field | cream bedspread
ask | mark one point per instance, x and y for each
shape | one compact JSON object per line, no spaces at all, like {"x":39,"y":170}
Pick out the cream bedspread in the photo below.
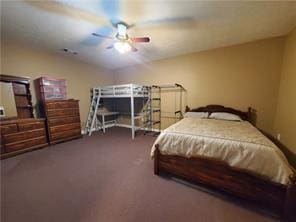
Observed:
{"x":239,"y":144}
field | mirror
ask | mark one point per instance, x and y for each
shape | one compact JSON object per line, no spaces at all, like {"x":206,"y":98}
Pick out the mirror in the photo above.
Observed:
{"x":7,"y":100}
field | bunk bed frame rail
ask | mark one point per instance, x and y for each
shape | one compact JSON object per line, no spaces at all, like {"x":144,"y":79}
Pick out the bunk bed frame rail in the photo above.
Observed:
{"x":124,"y":90}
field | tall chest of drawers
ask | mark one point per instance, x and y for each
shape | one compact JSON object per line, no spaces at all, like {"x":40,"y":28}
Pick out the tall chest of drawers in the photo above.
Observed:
{"x":19,"y":135}
{"x":62,"y":120}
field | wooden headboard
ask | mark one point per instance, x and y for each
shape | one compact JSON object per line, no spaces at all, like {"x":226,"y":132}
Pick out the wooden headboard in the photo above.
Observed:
{"x":220,"y":109}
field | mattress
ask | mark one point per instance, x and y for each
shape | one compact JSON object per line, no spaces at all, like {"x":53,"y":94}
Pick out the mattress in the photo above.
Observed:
{"x":239,"y":144}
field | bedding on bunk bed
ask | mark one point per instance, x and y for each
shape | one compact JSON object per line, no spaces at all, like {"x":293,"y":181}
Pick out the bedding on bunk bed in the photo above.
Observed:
{"x":237,"y":143}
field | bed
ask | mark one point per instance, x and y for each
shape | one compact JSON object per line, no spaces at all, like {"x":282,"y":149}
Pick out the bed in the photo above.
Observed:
{"x":231,"y":156}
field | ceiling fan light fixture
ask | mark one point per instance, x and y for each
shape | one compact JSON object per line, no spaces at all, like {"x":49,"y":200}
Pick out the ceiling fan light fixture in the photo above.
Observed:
{"x":122,"y":47}
{"x":121,"y":30}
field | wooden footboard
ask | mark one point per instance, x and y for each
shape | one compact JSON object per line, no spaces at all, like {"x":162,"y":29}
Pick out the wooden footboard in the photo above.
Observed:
{"x":279,"y":198}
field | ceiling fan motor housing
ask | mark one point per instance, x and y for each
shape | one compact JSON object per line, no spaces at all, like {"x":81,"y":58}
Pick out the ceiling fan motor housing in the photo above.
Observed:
{"x":121,"y":31}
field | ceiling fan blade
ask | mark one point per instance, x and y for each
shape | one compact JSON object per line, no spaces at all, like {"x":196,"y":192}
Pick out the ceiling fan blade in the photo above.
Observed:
{"x":101,"y":36}
{"x":109,"y":47}
{"x":178,"y":21}
{"x":141,"y":39}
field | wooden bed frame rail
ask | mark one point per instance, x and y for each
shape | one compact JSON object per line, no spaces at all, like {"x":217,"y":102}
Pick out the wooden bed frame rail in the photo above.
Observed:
{"x":216,"y":174}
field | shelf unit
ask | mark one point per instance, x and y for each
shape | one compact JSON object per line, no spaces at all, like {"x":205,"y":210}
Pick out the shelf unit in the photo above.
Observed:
{"x":48,"y":88}
{"x":22,"y":94}
{"x":155,"y":102}
{"x":178,"y":91}
{"x":154,"y":110}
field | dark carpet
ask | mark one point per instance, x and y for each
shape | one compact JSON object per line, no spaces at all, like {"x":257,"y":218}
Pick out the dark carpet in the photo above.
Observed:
{"x":106,"y":178}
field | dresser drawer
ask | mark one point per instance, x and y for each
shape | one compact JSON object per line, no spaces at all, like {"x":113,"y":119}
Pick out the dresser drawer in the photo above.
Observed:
{"x":53,"y":89}
{"x":53,"y":113}
{"x":66,"y":134}
{"x":62,"y":104}
{"x":52,"y":96}
{"x":9,"y":128}
{"x":48,"y":81}
{"x":63,"y":121}
{"x":66,"y":127}
{"x":2,"y":150}
{"x":20,"y":136}
{"x":31,"y":125}
{"x":11,"y":147}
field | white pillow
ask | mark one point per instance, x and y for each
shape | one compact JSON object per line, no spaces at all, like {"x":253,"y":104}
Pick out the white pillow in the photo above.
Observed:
{"x":225,"y":116}
{"x":200,"y":115}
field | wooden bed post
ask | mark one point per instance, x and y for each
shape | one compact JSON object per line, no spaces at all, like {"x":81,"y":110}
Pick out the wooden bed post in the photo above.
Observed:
{"x":289,"y":213}
{"x":249,"y":113}
{"x":156,"y":156}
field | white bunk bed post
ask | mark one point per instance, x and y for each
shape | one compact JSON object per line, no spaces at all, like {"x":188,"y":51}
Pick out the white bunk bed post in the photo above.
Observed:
{"x":103,"y":123}
{"x":132,"y":112}
{"x":97,"y":98}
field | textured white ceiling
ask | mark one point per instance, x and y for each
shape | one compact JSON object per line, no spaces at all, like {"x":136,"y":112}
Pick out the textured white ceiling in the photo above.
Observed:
{"x":175,"y":27}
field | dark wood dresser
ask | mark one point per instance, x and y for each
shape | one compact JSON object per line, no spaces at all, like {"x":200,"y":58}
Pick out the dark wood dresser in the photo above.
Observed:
{"x":20,"y":135}
{"x":63,"y":120}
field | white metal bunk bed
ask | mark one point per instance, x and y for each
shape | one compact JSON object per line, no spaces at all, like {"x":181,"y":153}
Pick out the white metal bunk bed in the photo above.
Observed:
{"x":150,"y":113}
{"x":130,"y":91}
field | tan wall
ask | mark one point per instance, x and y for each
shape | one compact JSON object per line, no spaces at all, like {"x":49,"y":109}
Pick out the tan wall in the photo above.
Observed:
{"x":239,"y":76}
{"x":16,"y":59}
{"x":285,"y":119}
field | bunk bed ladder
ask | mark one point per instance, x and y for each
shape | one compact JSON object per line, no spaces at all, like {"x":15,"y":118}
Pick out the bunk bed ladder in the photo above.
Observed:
{"x":154,"y":109}
{"x":92,"y":115}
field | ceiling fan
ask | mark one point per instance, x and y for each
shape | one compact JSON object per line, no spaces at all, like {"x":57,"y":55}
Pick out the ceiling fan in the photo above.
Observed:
{"x":122,"y":42}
